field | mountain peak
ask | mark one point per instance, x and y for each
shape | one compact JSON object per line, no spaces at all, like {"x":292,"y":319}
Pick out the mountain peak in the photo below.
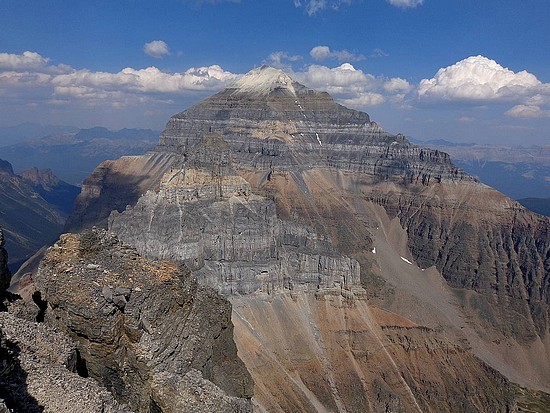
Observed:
{"x":263,"y":81}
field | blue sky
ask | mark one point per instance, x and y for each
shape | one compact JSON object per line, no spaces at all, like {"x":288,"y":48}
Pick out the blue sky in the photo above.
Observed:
{"x":457,"y":69}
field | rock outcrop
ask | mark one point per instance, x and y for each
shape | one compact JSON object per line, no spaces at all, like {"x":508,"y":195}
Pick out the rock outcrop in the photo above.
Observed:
{"x":206,"y":216}
{"x":38,"y":372}
{"x":146,"y":330}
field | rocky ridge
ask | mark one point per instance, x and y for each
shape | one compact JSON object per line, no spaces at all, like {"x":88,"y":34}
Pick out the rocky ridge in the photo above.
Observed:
{"x":38,"y":372}
{"x":145,"y":330}
{"x":35,"y":205}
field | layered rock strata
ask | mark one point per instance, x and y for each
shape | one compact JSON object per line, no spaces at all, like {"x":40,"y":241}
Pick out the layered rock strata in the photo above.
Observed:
{"x":206,"y":216}
{"x":145,"y":330}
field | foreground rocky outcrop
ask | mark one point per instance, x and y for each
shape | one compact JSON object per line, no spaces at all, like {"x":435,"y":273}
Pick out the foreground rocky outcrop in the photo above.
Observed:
{"x":38,"y":372}
{"x":145,"y":330}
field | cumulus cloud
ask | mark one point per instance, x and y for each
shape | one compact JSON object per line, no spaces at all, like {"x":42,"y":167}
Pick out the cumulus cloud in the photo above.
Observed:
{"x":321,"y":53}
{"x":397,"y":84}
{"x":85,"y":83}
{"x":31,"y":79}
{"x":156,"y":48}
{"x":405,"y":4}
{"x":27,"y":60}
{"x":312,"y":7}
{"x":365,"y":99}
{"x":528,"y":111}
{"x":353,"y":87}
{"x":478,"y":78}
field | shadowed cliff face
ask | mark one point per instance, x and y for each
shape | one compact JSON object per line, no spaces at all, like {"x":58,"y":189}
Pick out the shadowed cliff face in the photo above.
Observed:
{"x":4,"y":271}
{"x":275,"y":192}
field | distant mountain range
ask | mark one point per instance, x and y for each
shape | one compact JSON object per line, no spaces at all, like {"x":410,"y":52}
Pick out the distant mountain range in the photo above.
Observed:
{"x":34,"y":205}
{"x":10,"y":135}
{"x":538,"y":205}
{"x":71,"y":153}
{"x":519,"y":172}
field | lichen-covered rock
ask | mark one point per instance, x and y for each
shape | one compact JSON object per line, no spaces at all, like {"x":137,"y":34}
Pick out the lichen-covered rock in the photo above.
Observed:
{"x":133,"y":319}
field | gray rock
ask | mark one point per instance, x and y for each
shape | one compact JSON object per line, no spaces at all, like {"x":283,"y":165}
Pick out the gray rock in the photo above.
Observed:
{"x":160,"y":321}
{"x":38,"y":372}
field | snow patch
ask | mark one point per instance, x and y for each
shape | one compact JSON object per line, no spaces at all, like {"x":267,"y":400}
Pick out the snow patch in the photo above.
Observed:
{"x":406,"y":260}
{"x":374,"y":250}
{"x":262,"y":81}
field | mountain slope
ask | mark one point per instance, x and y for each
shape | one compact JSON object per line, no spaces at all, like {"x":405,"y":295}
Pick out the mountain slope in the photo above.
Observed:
{"x":279,"y":197}
{"x":33,"y":209}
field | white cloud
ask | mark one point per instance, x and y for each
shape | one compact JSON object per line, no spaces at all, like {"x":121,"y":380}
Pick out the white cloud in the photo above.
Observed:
{"x":406,"y":3}
{"x":147,"y":81}
{"x":32,"y":80}
{"x":377,"y":53}
{"x":365,"y":100}
{"x":353,"y":87}
{"x":396,"y":84}
{"x":313,"y":7}
{"x":280,"y":58}
{"x":320,"y":53}
{"x":27,"y":60}
{"x":156,"y":48}
{"x":480,"y":79}
{"x":528,"y":111}
{"x":344,"y":79}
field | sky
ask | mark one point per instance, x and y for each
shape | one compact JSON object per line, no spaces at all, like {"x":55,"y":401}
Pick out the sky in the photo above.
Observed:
{"x":461,"y":70}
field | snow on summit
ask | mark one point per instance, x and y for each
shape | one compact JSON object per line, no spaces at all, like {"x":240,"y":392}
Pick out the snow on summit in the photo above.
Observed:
{"x":263,"y":80}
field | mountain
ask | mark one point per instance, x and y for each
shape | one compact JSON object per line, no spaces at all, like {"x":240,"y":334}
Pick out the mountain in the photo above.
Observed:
{"x":365,"y":273}
{"x":538,"y":205}
{"x":74,"y":155}
{"x":519,"y":172}
{"x":34,"y":206}
{"x":11,"y":135}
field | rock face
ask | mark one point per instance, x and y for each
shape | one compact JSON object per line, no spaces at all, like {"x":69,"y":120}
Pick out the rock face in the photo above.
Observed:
{"x":38,"y":372}
{"x":274,"y":194}
{"x":4,"y":271}
{"x":146,"y":330}
{"x":206,"y":216}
